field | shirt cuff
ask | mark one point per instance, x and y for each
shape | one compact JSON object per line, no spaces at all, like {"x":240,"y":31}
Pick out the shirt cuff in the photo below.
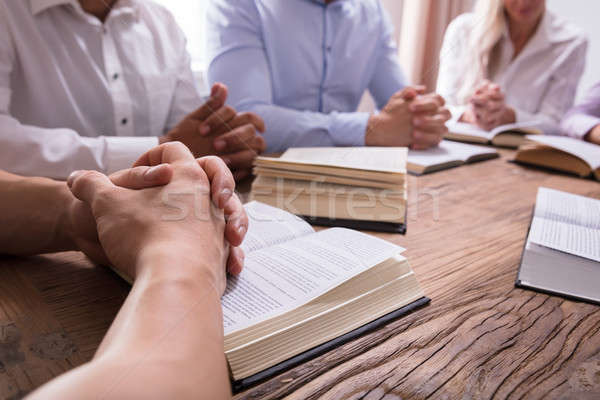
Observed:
{"x":349,"y":129}
{"x":122,"y":152}
{"x":579,"y":125}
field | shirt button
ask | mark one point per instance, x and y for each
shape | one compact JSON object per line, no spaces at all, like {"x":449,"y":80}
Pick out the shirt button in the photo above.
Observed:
{"x":124,"y":121}
{"x":115,"y":76}
{"x":329,"y":49}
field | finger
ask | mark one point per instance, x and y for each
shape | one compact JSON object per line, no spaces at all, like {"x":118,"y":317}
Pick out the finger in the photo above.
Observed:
{"x":240,"y":160}
{"x":219,"y":120}
{"x":495,"y":107}
{"x":217,"y":99}
{"x":221,"y":180}
{"x":430,"y":122}
{"x":420,"y":89}
{"x":235,"y":262}
{"x":425,"y":140}
{"x":170,"y":152}
{"x":143,"y":177}
{"x":239,"y":139}
{"x":496,"y":96}
{"x":424,"y":105}
{"x":241,"y":119}
{"x":237,"y":221}
{"x":87,"y":186}
{"x":241,"y":174}
{"x":408,"y":93}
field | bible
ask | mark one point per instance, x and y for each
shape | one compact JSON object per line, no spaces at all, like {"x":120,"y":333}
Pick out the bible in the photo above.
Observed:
{"x":562,"y":252}
{"x":304,"y":292}
{"x":447,"y":155}
{"x":562,"y":154}
{"x":510,"y":135}
{"x":353,"y":187}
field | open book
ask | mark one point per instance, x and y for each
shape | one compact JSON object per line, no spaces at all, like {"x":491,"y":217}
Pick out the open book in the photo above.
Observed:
{"x":301,"y":290}
{"x":561,"y":153}
{"x":353,"y":187}
{"x":562,"y":253}
{"x":510,"y":135}
{"x":447,"y":155}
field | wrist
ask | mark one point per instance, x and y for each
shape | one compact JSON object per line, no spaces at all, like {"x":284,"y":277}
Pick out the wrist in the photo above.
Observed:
{"x":371,"y":134}
{"x":509,"y":116}
{"x":167,"y":263}
{"x":64,"y":234}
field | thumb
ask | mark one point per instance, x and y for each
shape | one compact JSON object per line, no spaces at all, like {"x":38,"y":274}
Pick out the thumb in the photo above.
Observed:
{"x":408,"y":93}
{"x":87,"y":185}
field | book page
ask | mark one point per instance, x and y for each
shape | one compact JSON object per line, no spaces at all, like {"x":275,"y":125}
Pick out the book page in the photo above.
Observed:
{"x":472,"y":130}
{"x":567,"y":222}
{"x":268,"y":226}
{"x":282,"y":277}
{"x":381,"y":159}
{"x":468,"y":129}
{"x":526,"y":127}
{"x":588,"y":152}
{"x":447,"y":151}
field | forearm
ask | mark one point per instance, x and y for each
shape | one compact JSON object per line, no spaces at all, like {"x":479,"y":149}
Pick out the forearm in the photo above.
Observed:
{"x":167,"y":340}
{"x":309,"y":129}
{"x":34,"y":215}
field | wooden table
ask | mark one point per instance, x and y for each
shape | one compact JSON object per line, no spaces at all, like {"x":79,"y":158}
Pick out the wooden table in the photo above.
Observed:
{"x":480,"y":337}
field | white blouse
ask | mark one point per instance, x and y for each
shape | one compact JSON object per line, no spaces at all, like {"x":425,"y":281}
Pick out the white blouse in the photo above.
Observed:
{"x":539,"y":84}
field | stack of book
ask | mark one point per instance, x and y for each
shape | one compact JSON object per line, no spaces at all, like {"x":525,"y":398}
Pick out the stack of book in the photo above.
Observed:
{"x":358,"y":187}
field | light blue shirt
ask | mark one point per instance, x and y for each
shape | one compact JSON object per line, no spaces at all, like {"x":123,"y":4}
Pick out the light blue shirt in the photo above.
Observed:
{"x":303,"y":66}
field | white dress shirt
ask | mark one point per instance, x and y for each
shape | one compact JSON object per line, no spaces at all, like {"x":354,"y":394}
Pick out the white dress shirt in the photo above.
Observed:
{"x":76,"y":93}
{"x":539,"y":84}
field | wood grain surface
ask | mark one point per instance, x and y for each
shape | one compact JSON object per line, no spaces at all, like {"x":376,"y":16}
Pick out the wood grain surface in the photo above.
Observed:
{"x":480,"y":338}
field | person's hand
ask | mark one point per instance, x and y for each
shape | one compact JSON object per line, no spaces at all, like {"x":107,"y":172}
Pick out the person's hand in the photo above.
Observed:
{"x":593,"y":136}
{"x":216,"y":128}
{"x":238,"y":143}
{"x":429,"y":120}
{"x":392,"y":126}
{"x":487,"y":108}
{"x":411,"y":118}
{"x":86,"y":234}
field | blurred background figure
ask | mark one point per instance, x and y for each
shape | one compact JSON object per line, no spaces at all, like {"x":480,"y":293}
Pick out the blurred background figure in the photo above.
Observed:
{"x":303,"y":66}
{"x":583,"y":120}
{"x":511,"y":61}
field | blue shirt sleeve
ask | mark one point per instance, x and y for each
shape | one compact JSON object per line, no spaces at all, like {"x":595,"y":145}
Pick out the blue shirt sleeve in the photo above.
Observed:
{"x":238,"y":59}
{"x":388,"y":77}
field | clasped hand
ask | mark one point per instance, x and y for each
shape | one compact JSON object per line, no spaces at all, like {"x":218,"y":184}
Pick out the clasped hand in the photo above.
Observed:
{"x":411,"y":118}
{"x":169,"y":204}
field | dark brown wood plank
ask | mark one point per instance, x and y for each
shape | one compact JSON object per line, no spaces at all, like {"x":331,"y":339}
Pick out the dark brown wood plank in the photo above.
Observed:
{"x":480,"y":337}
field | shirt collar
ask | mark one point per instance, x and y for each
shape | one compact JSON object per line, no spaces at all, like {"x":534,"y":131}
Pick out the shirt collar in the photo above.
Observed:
{"x":120,"y":7}
{"x":37,"y":6}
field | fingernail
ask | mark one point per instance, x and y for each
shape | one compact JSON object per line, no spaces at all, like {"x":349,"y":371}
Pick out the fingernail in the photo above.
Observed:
{"x":224,"y":197}
{"x":72,"y":177}
{"x":241,"y":230}
{"x":220,"y":145}
{"x":152,"y":174}
{"x":204,"y":129}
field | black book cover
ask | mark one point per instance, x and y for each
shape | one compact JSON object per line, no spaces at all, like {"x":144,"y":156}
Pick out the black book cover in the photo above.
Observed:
{"x":245,"y":383}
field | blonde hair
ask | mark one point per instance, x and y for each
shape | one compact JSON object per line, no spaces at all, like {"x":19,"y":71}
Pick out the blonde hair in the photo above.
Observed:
{"x":490,"y":24}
